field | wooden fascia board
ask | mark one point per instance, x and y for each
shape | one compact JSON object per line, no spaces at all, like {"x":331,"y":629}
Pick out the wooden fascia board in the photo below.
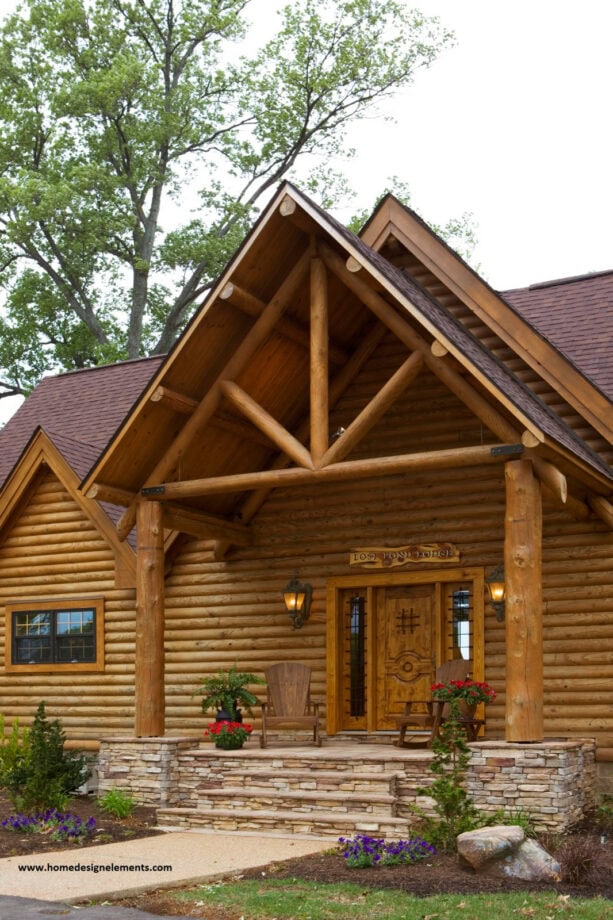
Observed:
{"x":508,"y":324}
{"x":19,"y":480}
{"x":192,"y":330}
{"x":42,"y":451}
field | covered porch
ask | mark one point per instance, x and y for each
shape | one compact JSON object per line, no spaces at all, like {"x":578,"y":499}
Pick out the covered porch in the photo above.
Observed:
{"x":325,"y":400}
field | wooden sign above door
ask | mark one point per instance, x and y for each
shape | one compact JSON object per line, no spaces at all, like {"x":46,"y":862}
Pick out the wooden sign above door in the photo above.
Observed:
{"x":385,"y":557}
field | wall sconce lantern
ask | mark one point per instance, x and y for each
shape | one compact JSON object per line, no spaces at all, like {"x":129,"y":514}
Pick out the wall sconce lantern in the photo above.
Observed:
{"x":297,"y":596}
{"x":495,"y":586}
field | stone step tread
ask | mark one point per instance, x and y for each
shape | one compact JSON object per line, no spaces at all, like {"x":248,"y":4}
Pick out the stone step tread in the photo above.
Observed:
{"x":341,"y":775}
{"x":308,"y":795}
{"x":392,"y":756}
{"x":281,"y":817}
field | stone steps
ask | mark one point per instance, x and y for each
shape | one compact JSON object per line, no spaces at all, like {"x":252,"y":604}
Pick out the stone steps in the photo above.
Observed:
{"x":282,"y":780}
{"x":319,"y":824}
{"x":294,"y":790}
{"x":245,"y":798}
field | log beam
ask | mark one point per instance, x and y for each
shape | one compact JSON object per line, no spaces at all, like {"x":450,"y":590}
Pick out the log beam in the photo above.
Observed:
{"x":604,"y":509}
{"x":266,"y":423}
{"x":524,"y":604}
{"x":319,"y":361}
{"x":575,"y":507}
{"x":340,"y":472}
{"x":438,"y":349}
{"x":111,"y":494}
{"x":465,"y":392}
{"x":368,"y":344}
{"x":149,"y":652}
{"x":238,"y":427}
{"x":176,"y":401}
{"x":256,"y":336}
{"x":375,"y":409}
{"x":205,"y":526}
{"x":292,"y":330}
{"x":287,"y":206}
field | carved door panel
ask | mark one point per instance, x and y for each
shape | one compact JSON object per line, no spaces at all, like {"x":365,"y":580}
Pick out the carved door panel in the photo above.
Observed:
{"x":406,"y":648}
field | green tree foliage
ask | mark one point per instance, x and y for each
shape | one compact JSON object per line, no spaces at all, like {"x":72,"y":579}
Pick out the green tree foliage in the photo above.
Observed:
{"x":453,"y":808}
{"x":112,"y":109}
{"x":459,"y":232}
{"x":35,"y":770}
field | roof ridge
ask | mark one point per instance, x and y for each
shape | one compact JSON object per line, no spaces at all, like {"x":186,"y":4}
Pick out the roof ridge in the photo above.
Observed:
{"x":103,"y":367}
{"x":555,"y":282}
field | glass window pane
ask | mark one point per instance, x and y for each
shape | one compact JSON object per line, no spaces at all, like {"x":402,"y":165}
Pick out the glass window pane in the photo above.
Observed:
{"x":75,"y":648}
{"x":461,"y":610}
{"x":33,"y":651}
{"x":41,"y":637}
{"x":357,"y":656}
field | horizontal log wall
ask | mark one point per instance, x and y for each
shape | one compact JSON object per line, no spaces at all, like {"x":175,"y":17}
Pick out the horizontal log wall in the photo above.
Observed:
{"x":224,"y":613}
{"x":53,"y":551}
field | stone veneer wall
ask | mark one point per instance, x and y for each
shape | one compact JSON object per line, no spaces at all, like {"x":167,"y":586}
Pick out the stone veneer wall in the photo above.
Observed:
{"x":553,"y":781}
{"x":146,"y":768}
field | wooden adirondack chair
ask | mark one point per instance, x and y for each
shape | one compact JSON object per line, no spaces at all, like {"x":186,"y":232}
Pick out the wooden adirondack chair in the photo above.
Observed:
{"x":426,"y":716}
{"x":289,"y":702}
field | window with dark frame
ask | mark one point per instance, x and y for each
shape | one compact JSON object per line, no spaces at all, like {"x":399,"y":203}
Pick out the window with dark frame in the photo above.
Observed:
{"x":461,"y":610}
{"x":357,"y":660}
{"x":54,"y":636}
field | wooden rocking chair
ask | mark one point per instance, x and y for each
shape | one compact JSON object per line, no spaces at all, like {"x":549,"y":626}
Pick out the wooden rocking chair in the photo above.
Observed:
{"x":289,"y":701}
{"x":426,"y":716}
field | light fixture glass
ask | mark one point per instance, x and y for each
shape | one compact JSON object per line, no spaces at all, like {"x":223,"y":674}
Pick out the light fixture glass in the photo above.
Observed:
{"x":496,"y":587}
{"x":297,"y":597}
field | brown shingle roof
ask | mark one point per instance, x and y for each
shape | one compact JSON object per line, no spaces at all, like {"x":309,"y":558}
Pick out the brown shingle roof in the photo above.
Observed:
{"x":576,"y":315}
{"x":80,"y":412}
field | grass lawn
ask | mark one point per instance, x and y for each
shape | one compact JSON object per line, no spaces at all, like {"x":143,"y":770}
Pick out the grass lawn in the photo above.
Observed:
{"x":296,"y":899}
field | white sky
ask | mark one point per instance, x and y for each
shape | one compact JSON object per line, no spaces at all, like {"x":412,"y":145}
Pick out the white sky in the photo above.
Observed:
{"x":512,"y":124}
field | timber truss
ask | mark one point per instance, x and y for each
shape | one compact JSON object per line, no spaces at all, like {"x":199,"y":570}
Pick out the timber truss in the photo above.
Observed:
{"x":332,"y":372}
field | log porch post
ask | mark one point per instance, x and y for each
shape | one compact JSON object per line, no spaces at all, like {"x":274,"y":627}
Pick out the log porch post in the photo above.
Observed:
{"x":149,"y":662}
{"x":524,"y":615}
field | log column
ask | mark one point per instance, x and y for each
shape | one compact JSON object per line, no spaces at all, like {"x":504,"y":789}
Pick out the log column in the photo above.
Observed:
{"x":149,"y":664}
{"x":524,"y":627}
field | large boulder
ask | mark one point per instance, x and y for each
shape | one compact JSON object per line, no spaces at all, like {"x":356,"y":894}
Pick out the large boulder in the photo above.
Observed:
{"x":487,"y":843}
{"x":504,"y":851}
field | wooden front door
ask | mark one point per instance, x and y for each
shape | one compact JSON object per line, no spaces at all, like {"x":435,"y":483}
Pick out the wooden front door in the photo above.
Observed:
{"x":406,"y":644}
{"x":387,"y":635}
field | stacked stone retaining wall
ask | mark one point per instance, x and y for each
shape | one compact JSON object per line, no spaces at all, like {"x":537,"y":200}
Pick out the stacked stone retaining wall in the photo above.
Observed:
{"x":554,"y":782}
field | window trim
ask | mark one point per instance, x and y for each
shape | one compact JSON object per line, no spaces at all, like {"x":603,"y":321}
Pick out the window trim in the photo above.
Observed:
{"x":55,"y":605}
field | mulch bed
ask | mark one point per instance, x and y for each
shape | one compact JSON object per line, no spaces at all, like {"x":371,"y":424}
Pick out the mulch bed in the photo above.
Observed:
{"x":441,"y":874}
{"x":108,"y":830}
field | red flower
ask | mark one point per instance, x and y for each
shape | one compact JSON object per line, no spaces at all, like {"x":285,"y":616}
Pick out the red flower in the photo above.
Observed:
{"x":469,"y":690}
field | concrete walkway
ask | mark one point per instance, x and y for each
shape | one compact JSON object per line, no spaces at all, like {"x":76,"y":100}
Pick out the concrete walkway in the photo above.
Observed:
{"x":116,"y":870}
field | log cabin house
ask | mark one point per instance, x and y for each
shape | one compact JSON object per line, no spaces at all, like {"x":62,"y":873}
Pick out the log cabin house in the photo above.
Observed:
{"x":362,"y":413}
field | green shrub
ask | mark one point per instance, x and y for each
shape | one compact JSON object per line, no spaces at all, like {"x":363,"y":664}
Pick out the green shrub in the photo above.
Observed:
{"x":515,"y":816}
{"x":455,"y":813}
{"x":117,"y":803}
{"x":35,"y":770}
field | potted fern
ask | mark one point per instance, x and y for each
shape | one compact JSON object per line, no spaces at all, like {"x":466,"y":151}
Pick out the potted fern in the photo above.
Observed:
{"x":226,"y":692}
